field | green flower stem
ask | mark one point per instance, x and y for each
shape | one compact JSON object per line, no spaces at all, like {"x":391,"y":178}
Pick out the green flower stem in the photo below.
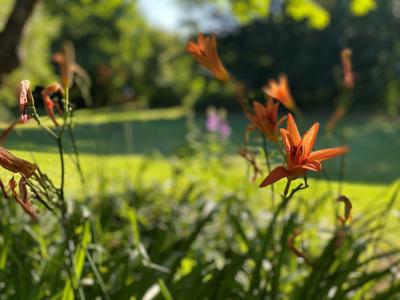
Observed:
{"x":64,"y":218}
{"x":269,"y":168}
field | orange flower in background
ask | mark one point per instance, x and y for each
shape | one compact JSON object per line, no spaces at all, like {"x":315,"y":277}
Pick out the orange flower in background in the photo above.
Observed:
{"x":299,"y":155}
{"x":48,"y":102}
{"x":205,"y":53}
{"x":279,"y":90}
{"x":16,"y":165}
{"x":348,"y":76}
{"x":265,"y":118}
{"x":66,"y":60}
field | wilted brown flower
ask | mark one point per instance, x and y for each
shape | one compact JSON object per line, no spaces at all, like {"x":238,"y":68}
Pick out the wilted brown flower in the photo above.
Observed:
{"x":347,"y":217}
{"x":16,"y":165}
{"x":22,"y":199}
{"x":25,"y":100}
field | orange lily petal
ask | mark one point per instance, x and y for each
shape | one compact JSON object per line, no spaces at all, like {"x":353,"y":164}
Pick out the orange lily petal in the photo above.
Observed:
{"x":313,"y":166}
{"x":276,"y":174}
{"x":293,"y":131}
{"x":287,"y":142}
{"x":201,"y":40}
{"x":258,"y":108}
{"x":308,"y":140}
{"x":325,"y":154}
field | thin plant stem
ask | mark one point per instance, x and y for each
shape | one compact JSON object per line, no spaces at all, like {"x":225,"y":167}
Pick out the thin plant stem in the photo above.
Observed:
{"x":268,"y":235}
{"x":44,"y":127}
{"x":64,"y":222}
{"x":268,"y":163}
{"x":286,"y":188}
{"x":287,"y":196}
{"x":280,"y":150}
{"x":342,"y":163}
{"x":62,"y":166}
{"x":48,"y":130}
{"x":75,"y":149}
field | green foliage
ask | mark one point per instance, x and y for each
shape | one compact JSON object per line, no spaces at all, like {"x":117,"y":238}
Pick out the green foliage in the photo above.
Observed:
{"x":246,"y":11}
{"x":35,"y":53}
{"x":265,"y":48}
{"x":202,"y":232}
{"x":126,"y":58}
{"x":317,"y":13}
{"x":179,"y":242}
{"x":362,"y":7}
{"x":306,"y":9}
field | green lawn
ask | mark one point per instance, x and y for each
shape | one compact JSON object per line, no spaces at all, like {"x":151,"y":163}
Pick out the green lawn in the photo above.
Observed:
{"x":196,"y":211}
{"x":114,"y":143}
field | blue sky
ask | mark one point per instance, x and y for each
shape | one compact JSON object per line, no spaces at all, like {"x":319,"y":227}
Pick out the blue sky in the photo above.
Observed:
{"x":162,"y":13}
{"x":169,"y":15}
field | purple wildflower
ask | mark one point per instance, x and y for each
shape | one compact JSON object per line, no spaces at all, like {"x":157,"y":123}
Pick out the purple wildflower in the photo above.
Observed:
{"x":216,"y":122}
{"x":212,"y":122}
{"x":225,"y":130}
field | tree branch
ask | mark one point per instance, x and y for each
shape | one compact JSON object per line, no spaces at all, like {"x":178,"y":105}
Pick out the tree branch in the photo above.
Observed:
{"x":11,"y":36}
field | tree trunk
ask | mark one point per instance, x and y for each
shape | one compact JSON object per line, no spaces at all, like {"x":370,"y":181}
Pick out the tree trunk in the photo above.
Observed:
{"x":11,"y":36}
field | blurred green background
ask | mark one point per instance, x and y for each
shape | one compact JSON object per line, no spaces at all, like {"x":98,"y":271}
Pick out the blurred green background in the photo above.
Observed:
{"x":166,"y":204}
{"x":145,"y":86}
{"x":134,"y":50}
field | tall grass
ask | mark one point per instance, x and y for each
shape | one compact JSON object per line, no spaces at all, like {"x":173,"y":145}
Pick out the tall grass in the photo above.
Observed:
{"x":153,"y":243}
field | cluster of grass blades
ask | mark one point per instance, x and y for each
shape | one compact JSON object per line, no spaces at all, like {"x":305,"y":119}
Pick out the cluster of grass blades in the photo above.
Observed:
{"x":147,"y":243}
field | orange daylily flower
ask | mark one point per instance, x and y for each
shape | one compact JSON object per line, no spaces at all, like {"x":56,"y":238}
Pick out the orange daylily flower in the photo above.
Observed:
{"x":265,"y":118}
{"x":299,"y":155}
{"x":279,"y":90}
{"x":348,"y":76}
{"x":16,"y":165}
{"x":48,"y":102}
{"x":205,"y":53}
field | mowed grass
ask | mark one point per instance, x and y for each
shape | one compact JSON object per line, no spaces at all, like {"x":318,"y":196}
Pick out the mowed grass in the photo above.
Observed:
{"x":122,"y":147}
